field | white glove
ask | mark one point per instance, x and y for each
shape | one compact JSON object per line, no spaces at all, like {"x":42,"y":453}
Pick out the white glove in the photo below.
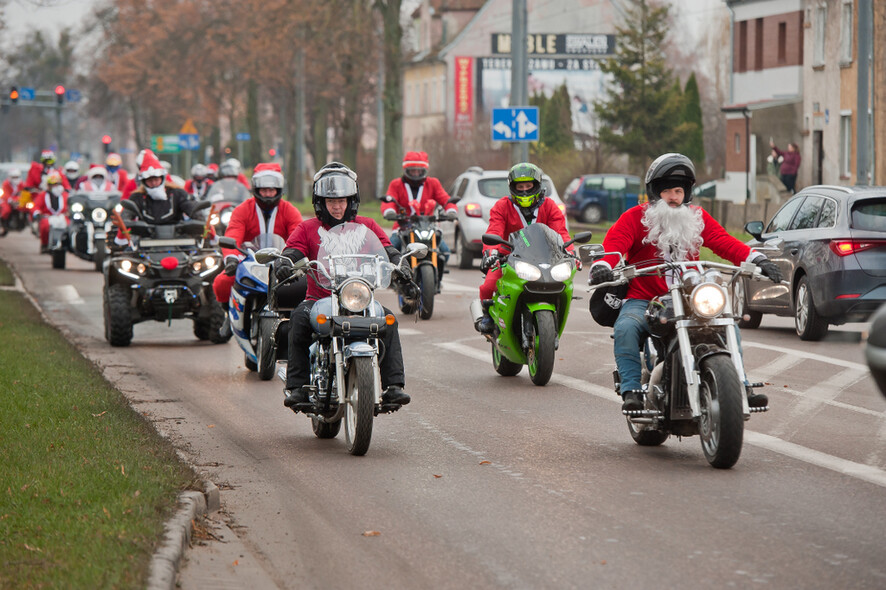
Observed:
{"x":452,"y":214}
{"x":390,"y":214}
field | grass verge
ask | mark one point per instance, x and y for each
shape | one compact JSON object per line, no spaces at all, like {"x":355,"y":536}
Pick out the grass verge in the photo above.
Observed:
{"x":6,"y":278}
{"x":87,"y":483}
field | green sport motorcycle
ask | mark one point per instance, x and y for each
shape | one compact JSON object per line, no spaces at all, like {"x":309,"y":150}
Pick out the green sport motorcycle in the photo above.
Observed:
{"x":531,"y":300}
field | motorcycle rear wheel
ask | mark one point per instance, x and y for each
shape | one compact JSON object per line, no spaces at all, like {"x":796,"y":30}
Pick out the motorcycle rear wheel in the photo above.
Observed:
{"x":265,"y":350}
{"x":360,"y":405}
{"x":646,"y":438}
{"x":721,"y":425}
{"x":325,"y":429}
{"x":427,"y":276}
{"x":541,"y":357}
{"x":503,"y":366}
{"x":58,"y":258}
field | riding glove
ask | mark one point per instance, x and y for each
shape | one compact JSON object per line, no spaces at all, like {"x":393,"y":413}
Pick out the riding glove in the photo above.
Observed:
{"x":490,"y":259}
{"x":282,"y":268}
{"x":403,"y":274}
{"x":601,"y":273}
{"x":231,"y":264}
{"x":770,"y":270}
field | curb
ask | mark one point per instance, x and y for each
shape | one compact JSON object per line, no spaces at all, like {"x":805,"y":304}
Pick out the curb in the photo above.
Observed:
{"x":192,"y":504}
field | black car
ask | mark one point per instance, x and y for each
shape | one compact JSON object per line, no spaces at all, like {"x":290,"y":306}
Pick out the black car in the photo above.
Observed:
{"x":832,"y":255}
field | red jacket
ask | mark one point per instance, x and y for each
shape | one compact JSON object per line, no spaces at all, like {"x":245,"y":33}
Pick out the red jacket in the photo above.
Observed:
{"x":37,"y":173}
{"x":791,"y":162}
{"x":626,"y":236}
{"x":430,"y":194}
{"x":199,"y":193}
{"x":505,"y":219}
{"x":244,"y":225}
{"x":306,"y":239}
{"x":120,"y":179}
{"x":43,"y":203}
{"x":9,"y":190}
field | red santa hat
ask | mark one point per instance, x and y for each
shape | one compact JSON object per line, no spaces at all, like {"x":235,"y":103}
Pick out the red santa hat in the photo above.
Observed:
{"x":415,"y":160}
{"x":151,"y":167}
{"x":267,"y":175}
{"x":213,"y":167}
{"x":95,"y":169}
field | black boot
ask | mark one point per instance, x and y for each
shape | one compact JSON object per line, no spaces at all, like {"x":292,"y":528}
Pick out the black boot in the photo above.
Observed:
{"x":485,"y":325}
{"x":756,"y":400}
{"x":633,"y":401}
{"x":395,"y":395}
{"x":297,"y":398}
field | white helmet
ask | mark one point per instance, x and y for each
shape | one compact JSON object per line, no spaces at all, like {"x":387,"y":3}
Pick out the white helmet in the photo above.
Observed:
{"x":230,"y":167}
{"x":72,"y":167}
{"x":15,"y":173}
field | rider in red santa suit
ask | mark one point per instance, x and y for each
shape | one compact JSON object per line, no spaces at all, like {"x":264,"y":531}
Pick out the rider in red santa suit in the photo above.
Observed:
{"x":11,"y":187}
{"x":198,"y":185}
{"x":265,"y":212}
{"x":118,"y":177}
{"x":97,"y":180}
{"x":668,"y":228}
{"x":51,"y":202}
{"x":39,"y":171}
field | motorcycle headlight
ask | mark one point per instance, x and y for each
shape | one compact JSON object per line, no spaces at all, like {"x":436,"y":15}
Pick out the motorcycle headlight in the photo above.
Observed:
{"x":99,"y":215}
{"x":77,"y":207}
{"x":424,"y":235}
{"x":141,"y":269}
{"x":210,"y":262}
{"x":355,"y":296}
{"x":526,"y":271}
{"x":226,"y":216}
{"x":126,"y":265}
{"x":77,"y":216}
{"x":197,"y":266}
{"x":213,"y":219}
{"x":561,"y":272}
{"x":708,"y":300}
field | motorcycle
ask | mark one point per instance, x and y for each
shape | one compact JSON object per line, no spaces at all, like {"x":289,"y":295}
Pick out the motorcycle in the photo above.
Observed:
{"x":22,"y":209}
{"x":531,"y":301}
{"x":58,"y":231}
{"x":166,"y":273}
{"x":85,"y":236}
{"x":255,"y":318}
{"x":693,"y":372}
{"x":428,"y":272}
{"x":344,"y":357}
{"x":224,"y":195}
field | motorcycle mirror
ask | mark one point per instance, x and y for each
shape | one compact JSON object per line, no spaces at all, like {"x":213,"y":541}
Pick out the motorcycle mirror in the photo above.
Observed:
{"x":875,"y":351}
{"x":454,"y":200}
{"x":755,"y":228}
{"x":416,"y":250}
{"x":202,"y":205}
{"x":265,"y":255}
{"x":130,"y":206}
{"x":580,"y":238}
{"x":227,"y":242}
{"x":590,"y":253}
{"x":494,"y":240}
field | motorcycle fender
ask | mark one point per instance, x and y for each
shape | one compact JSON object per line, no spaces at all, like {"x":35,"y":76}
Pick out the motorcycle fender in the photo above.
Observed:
{"x":359,"y":348}
{"x":703,"y":352}
{"x":536,"y":306}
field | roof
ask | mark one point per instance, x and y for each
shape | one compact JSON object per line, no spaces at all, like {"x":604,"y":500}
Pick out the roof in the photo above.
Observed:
{"x":762,"y":104}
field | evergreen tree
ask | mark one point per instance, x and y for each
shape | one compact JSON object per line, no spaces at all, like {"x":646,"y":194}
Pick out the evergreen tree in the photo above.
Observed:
{"x":694,"y":146}
{"x":555,"y":120}
{"x":643,"y":116}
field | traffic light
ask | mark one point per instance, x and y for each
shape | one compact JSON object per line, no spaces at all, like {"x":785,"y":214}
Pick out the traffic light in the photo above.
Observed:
{"x":60,"y":94}
{"x":272,"y":152}
{"x":106,"y":140}
{"x":13,"y":94}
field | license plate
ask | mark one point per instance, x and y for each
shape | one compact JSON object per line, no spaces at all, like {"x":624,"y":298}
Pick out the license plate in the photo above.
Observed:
{"x":170,"y":295}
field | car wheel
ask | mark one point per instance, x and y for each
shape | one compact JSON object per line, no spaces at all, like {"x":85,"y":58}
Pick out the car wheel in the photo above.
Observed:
{"x":592,"y":214}
{"x":810,"y":326}
{"x":740,"y":308}
{"x":465,"y":258}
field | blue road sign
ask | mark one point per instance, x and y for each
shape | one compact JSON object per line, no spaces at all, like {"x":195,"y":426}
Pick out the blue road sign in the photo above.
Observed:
{"x":243,"y":137}
{"x":25,"y":93}
{"x":73,"y":95}
{"x":189,"y":141}
{"x":515,"y":124}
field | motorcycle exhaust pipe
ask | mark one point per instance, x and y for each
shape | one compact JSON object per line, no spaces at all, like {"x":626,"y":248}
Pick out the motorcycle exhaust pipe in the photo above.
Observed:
{"x":476,"y":310}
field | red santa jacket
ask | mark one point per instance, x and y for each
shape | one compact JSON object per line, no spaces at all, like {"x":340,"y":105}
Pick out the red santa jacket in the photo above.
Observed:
{"x":245,"y":224}
{"x":9,"y":190}
{"x":626,"y":236}
{"x":89,"y":185}
{"x":37,"y":173}
{"x":429,"y":195}
{"x":505,"y":219}
{"x":45,"y":204}
{"x":120,"y":179}
{"x":195,"y":192}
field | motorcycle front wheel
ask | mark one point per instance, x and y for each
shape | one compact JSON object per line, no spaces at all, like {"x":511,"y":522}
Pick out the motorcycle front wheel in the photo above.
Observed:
{"x":721,"y":425}
{"x":360,"y":405}
{"x":427,"y":277}
{"x":265,"y":350}
{"x":541,"y":356}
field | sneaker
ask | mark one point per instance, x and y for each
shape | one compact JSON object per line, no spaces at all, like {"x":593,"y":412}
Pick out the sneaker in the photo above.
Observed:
{"x":485,"y":325}
{"x":395,"y":395}
{"x":296,"y":397}
{"x":225,"y":330}
{"x":633,"y":401}
{"x":757,"y":400}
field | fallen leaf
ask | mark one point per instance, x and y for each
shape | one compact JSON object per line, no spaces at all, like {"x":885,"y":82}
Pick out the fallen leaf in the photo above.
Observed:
{"x":236,"y":562}
{"x":99,"y":415}
{"x":603,"y":562}
{"x":105,"y":510}
{"x":371,"y":533}
{"x":211,"y":426}
{"x":137,"y":494}
{"x":438,"y":476}
{"x":485,"y":462}
{"x":122,"y":470}
{"x":29,"y":548}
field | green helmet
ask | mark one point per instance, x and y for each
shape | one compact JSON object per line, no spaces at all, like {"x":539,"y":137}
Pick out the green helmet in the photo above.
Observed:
{"x":526,"y":172}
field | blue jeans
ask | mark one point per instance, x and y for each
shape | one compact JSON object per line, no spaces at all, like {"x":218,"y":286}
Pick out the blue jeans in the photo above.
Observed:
{"x":397,"y":243}
{"x":631,"y":332}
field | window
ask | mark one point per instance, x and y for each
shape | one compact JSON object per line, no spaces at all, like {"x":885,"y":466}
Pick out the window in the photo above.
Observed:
{"x":783,"y":218}
{"x":845,"y":144}
{"x":807,"y":214}
{"x":782,"y":42}
{"x":594,"y":183}
{"x":821,"y":16}
{"x":869,"y":215}
{"x":614,"y":183}
{"x":737,"y":143}
{"x":846,"y":34}
{"x":743,"y":46}
{"x":758,"y":45}
{"x":460,"y":190}
{"x":828,"y":216}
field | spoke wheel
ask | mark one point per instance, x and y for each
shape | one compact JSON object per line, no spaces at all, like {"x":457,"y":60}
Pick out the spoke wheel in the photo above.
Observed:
{"x":809,"y":325}
{"x":359,"y":405}
{"x":721,"y":424}
{"x":541,"y":356}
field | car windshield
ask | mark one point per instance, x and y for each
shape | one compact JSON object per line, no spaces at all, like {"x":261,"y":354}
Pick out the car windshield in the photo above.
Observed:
{"x":869,"y":215}
{"x":497,"y":188}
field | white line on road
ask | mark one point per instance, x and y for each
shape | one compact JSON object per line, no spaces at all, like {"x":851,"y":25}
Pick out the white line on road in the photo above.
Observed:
{"x":807,"y":355}
{"x":860,"y":471}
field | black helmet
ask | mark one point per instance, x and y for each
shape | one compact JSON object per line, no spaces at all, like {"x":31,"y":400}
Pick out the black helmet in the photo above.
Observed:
{"x":668,"y":171}
{"x":267,"y":175}
{"x":526,"y":172}
{"x":335,"y":181}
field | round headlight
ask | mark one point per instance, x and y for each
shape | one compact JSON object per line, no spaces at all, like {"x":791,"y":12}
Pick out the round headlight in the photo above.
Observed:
{"x":526,"y":271}
{"x":209,"y":261}
{"x":77,"y":207}
{"x":355,"y":296}
{"x":141,"y":268}
{"x":561,"y":272}
{"x":125,"y":265}
{"x":99,"y":215}
{"x":213,"y":219}
{"x":708,"y":300}
{"x":197,"y":266}
{"x":226,"y":216}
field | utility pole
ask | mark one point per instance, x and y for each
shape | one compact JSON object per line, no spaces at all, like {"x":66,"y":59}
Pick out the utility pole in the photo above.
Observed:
{"x":863,"y":109}
{"x":300,"y":121}
{"x":380,"y":116}
{"x":519,"y":73}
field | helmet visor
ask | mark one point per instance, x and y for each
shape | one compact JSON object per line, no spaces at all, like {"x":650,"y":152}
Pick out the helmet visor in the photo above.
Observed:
{"x":416,"y":173}
{"x":267,"y":181}
{"x":335,"y":186}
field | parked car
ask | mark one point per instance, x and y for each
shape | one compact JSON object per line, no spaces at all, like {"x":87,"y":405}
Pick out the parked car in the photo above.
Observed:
{"x":593,"y":198}
{"x":706,"y":189}
{"x":833,"y":257}
{"x":475,"y":191}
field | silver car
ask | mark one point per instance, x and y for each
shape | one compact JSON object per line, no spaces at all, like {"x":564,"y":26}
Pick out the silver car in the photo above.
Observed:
{"x":475,"y":191}
{"x":833,"y":257}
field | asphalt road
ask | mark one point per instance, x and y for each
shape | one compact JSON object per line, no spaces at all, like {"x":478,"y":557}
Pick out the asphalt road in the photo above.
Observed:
{"x":491,"y":482}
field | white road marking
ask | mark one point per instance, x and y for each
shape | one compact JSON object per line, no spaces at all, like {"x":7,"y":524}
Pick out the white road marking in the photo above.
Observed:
{"x":68,"y":294}
{"x":453,"y":286}
{"x":408,"y":331}
{"x":807,"y":355}
{"x":853,"y":469}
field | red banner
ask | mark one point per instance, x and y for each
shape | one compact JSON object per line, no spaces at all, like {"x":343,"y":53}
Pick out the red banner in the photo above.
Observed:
{"x":464,"y":91}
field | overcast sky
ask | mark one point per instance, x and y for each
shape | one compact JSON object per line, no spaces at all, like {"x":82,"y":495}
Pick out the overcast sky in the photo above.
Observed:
{"x":45,"y":14}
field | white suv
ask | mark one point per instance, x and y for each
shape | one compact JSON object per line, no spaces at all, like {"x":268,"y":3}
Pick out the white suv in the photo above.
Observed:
{"x":476,"y":191}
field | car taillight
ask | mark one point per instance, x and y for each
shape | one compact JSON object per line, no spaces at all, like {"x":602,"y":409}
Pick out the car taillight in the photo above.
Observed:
{"x":847,"y":247}
{"x":473,"y":210}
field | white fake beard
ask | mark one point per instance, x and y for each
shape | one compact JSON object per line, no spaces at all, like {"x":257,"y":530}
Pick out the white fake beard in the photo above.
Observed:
{"x":675,"y":231}
{"x":158,"y":193}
